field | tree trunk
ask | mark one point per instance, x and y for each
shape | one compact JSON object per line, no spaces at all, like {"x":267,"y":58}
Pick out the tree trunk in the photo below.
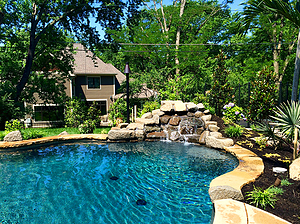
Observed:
{"x":182,"y":5}
{"x":296,"y":71}
{"x":26,"y":73}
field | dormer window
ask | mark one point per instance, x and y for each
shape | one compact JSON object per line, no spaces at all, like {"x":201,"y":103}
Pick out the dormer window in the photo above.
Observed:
{"x":94,"y":82}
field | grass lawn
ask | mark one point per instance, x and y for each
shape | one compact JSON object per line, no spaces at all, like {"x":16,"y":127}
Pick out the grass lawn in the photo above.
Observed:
{"x":30,"y":133}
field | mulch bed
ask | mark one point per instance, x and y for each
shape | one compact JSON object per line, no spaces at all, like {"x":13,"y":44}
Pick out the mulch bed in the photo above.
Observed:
{"x":288,"y":204}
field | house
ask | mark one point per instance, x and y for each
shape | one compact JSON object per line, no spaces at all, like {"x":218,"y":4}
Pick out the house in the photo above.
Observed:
{"x":91,"y":80}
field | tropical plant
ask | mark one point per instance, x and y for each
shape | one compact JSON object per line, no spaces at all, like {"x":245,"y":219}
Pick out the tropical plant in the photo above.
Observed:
{"x":234,"y":131}
{"x":288,"y":121}
{"x":262,"y":198}
{"x":269,"y":134}
{"x":288,"y":10}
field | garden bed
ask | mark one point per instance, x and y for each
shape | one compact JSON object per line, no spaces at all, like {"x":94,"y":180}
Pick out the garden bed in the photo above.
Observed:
{"x":287,"y":205}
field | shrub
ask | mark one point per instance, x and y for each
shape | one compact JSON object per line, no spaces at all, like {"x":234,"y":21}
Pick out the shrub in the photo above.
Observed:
{"x":149,"y":106}
{"x":118,"y":109}
{"x":233,"y":113}
{"x":74,"y":112}
{"x":31,"y":133}
{"x":263,"y":97}
{"x":275,"y":190}
{"x":285,"y":182}
{"x":14,"y":125}
{"x":234,"y":131}
{"x":86,"y":127}
{"x":221,"y":91}
{"x":262,"y":198}
{"x":2,"y":135}
{"x":93,"y":113}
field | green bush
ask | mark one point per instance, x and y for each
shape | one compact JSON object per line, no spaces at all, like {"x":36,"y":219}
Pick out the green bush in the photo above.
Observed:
{"x":221,"y":91}
{"x":31,"y":133}
{"x":263,"y":97}
{"x":118,"y":109}
{"x":234,"y":131}
{"x":74,"y":112}
{"x":233,"y":113}
{"x":149,"y":106}
{"x":93,"y":113}
{"x":87,"y":127}
{"x":2,"y":135}
{"x":14,"y":125}
{"x":262,"y":198}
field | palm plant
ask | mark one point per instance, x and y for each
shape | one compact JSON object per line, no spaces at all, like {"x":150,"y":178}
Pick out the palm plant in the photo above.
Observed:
{"x":288,"y":117}
{"x":287,"y":9}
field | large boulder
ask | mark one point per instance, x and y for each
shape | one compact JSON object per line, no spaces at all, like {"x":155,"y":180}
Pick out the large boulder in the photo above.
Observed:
{"x":175,"y":121}
{"x":191,"y":107}
{"x":218,"y":143}
{"x":121,"y":134}
{"x":145,"y":121}
{"x":295,"y":169}
{"x":135,"y":126}
{"x":203,"y":136}
{"x":157,"y":135}
{"x":158,"y":112}
{"x":224,"y":192}
{"x":147,"y":115}
{"x":165,"y":119}
{"x":13,"y":136}
{"x":152,"y":129}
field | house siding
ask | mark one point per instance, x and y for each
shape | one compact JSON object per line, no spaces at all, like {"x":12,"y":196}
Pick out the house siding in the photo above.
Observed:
{"x":104,"y":93}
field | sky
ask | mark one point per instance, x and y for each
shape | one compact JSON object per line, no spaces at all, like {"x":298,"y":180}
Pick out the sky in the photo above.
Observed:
{"x":235,"y":6}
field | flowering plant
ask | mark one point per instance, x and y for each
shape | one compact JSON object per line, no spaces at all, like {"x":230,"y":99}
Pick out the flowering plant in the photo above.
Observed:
{"x":233,"y":113}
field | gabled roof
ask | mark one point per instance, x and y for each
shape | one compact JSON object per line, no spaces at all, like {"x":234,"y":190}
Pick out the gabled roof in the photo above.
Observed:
{"x":87,"y":64}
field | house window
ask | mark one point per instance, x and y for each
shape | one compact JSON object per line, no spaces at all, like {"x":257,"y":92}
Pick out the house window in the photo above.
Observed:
{"x":48,"y":113}
{"x":101,"y":105}
{"x":93,"y":82}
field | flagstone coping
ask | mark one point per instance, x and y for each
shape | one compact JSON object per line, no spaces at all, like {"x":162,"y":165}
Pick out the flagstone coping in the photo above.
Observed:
{"x":229,"y":185}
{"x":57,"y":138}
{"x":232,"y":211}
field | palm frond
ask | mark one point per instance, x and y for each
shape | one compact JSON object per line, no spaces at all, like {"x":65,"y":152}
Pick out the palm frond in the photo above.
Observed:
{"x":253,"y":8}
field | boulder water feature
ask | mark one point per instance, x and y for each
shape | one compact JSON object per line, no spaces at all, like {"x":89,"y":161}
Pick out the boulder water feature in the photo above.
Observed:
{"x":174,"y":121}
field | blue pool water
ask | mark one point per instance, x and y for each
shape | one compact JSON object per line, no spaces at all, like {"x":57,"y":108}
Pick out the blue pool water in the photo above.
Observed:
{"x":145,"y":182}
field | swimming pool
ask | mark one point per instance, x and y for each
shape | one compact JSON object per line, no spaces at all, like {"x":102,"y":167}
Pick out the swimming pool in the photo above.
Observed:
{"x":145,"y":182}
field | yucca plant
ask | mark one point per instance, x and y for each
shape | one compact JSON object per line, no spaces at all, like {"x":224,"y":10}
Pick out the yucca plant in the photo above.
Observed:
{"x":288,"y":117}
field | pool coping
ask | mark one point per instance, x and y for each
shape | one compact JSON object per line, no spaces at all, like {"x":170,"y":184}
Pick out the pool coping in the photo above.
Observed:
{"x":221,"y":188}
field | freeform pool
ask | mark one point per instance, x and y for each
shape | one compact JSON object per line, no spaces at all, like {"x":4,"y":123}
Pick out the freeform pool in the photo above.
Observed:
{"x":159,"y":182}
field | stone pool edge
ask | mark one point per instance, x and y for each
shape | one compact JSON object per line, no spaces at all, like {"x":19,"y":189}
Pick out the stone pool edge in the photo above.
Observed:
{"x":221,"y":188}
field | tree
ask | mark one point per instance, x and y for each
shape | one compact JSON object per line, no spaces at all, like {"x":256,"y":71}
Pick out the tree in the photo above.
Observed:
{"x":41,"y":19}
{"x":170,"y":41}
{"x":288,"y":10}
